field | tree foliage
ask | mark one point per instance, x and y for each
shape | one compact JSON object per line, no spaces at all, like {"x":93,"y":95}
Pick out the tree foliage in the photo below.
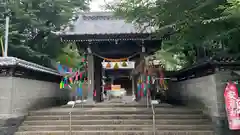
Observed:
{"x":197,"y":28}
{"x":32,"y":23}
{"x":70,"y":56}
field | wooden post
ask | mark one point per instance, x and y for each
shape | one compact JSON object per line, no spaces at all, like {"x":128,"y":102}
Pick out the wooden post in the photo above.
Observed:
{"x":98,"y":78}
{"x":142,"y":58}
{"x":90,"y":76}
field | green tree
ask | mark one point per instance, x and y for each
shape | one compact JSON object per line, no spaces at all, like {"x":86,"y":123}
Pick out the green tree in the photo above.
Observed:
{"x":169,"y":59}
{"x":32,"y":23}
{"x":232,"y":8}
{"x":193,"y":26}
{"x":70,"y":56}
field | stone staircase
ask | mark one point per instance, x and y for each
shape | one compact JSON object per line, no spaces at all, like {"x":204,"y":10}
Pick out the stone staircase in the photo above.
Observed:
{"x":116,"y":119}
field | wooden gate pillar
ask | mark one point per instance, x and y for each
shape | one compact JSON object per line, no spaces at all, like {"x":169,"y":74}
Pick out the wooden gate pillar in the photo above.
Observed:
{"x":90,"y":59}
{"x":98,"y":78}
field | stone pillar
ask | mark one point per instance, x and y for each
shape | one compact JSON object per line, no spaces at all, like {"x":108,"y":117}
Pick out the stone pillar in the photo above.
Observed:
{"x":98,"y":78}
{"x":90,"y":78}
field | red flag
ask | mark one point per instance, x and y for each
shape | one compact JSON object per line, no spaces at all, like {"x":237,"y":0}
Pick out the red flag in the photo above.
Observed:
{"x":231,"y":101}
{"x":80,"y":75}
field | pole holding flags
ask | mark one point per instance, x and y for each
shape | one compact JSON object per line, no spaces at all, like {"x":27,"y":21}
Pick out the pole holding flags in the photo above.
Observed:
{"x":6,"y":37}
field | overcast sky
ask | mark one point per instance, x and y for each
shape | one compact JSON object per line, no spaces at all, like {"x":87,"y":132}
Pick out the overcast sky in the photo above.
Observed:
{"x":96,"y":5}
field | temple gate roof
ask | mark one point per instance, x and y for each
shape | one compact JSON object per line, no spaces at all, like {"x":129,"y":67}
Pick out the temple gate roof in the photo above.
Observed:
{"x":103,"y":23}
{"x":110,"y":36}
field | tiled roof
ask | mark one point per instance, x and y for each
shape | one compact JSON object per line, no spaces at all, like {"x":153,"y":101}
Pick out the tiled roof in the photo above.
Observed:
{"x":11,"y":61}
{"x":102,"y":23}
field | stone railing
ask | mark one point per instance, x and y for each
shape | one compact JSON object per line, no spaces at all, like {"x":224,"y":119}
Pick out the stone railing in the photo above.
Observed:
{"x":202,"y":86}
{"x":27,"y":86}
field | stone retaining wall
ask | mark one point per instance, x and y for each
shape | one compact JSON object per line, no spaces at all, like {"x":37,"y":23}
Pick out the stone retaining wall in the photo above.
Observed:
{"x":197,"y":92}
{"x":26,"y":86}
{"x":205,"y":93}
{"x":19,"y":95}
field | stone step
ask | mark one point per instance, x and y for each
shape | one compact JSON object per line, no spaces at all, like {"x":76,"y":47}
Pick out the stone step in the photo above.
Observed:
{"x":108,"y":111}
{"x":113,"y":127}
{"x":110,"y":105}
{"x":113,"y":132}
{"x":115,"y":116}
{"x":116,"y":121}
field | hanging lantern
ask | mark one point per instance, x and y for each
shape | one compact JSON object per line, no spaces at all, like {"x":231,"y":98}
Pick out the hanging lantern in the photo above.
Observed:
{"x":108,"y":65}
{"x":116,"y":66}
{"x":124,"y":64}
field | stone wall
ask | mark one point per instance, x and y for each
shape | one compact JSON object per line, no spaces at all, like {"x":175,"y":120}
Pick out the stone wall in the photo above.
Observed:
{"x":19,"y":95}
{"x":198,"y":91}
{"x":205,"y":93}
{"x":26,"y":86}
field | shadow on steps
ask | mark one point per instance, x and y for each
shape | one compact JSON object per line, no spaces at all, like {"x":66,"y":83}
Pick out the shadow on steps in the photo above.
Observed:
{"x":10,"y":126}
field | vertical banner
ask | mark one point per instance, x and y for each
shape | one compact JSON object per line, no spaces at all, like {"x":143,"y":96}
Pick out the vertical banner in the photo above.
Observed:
{"x":232,"y":104}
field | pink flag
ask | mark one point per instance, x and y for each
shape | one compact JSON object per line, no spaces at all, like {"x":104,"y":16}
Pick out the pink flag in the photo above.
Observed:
{"x":76,"y":76}
{"x":94,"y":93}
{"x":142,"y":85}
{"x":231,"y":101}
{"x":70,"y":70}
{"x":80,"y":75}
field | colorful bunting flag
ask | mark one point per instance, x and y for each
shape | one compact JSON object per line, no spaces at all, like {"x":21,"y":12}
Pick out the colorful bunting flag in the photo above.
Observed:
{"x":76,"y":76}
{"x":80,"y":75}
{"x":60,"y":69}
{"x":71,"y":80}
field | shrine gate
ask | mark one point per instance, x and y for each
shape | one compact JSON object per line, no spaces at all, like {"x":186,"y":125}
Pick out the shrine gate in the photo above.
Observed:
{"x":104,"y":37}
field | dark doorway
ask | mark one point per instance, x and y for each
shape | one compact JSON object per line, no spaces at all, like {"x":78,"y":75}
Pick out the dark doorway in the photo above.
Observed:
{"x":125,"y":83}
{"x":121,"y":77}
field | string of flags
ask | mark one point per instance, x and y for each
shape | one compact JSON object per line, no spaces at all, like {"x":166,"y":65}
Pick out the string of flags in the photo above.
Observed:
{"x":73,"y":78}
{"x":144,"y":84}
{"x":70,"y":76}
